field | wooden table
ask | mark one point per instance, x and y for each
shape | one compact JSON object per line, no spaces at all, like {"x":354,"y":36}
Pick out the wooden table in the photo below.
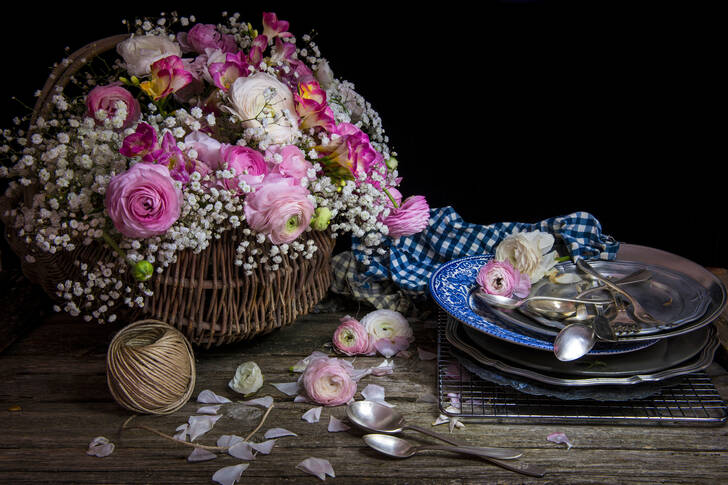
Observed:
{"x":55,"y":374}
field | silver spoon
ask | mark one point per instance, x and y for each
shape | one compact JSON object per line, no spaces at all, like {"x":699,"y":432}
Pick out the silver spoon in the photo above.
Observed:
{"x":372,"y":416}
{"x":574,"y":341}
{"x":511,"y":303}
{"x":399,"y":448}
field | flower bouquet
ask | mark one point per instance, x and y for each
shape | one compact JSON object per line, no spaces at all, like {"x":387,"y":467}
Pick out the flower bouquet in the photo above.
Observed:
{"x":199,"y":175}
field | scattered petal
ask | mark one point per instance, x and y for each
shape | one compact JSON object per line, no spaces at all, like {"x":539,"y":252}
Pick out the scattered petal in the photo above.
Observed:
{"x":301,"y":398}
{"x":265,"y":447}
{"x":278,"y":433}
{"x":242,"y":450}
{"x":290,"y":388}
{"x":317,"y":466}
{"x":312,"y":415}
{"x":564,"y":278}
{"x":336,"y":425}
{"x":200,"y":425}
{"x":427,"y":397}
{"x":560,"y":438}
{"x":228,"y":440}
{"x":441,"y":419}
{"x":209,"y":409}
{"x":389,"y":347}
{"x":209,"y":397}
{"x":375,"y":393}
{"x":100,"y":447}
{"x":198,"y":454}
{"x":181,"y":432}
{"x":264,"y":402}
{"x":230,"y":474}
{"x":383,"y":369}
{"x":425,"y":355}
{"x":455,"y":423}
{"x":452,"y":410}
{"x":300,"y":366}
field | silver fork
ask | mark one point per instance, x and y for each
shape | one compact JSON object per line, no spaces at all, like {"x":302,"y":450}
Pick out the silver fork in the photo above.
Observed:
{"x":622,"y":323}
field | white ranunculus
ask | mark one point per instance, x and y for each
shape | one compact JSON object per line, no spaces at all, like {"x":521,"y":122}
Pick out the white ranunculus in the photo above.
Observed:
{"x":261,"y":100}
{"x":528,"y":252}
{"x":140,"y":52}
{"x":247,"y":380}
{"x":386,"y":324}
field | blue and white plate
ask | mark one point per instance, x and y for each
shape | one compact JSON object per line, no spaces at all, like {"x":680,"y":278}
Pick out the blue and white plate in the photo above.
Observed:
{"x":451,"y":286}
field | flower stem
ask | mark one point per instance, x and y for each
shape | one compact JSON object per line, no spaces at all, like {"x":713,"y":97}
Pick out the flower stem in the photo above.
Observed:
{"x":394,"y":202}
{"x":113,"y":244}
{"x":562,"y":259}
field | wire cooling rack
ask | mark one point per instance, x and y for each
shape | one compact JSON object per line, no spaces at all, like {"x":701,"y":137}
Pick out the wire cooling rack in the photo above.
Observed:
{"x":692,"y":401}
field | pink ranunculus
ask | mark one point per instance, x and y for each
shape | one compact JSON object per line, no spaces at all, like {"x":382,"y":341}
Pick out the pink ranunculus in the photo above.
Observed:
{"x":249,"y":166}
{"x":207,"y":148}
{"x":140,"y":143}
{"x":288,"y":161}
{"x":143,"y":201}
{"x":206,"y":36}
{"x":501,"y":278}
{"x":411,"y":217}
{"x":328,"y":381}
{"x":351,"y":338}
{"x":272,"y":27}
{"x":279,"y":208}
{"x":168,"y":77}
{"x":107,"y":97}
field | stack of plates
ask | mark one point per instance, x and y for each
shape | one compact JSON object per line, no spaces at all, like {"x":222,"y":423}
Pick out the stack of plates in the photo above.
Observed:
{"x":518,"y":345}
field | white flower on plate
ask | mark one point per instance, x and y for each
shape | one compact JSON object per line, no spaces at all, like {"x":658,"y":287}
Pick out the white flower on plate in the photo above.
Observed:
{"x":528,"y":252}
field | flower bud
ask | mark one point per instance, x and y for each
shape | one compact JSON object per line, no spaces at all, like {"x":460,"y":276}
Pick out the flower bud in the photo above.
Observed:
{"x":247,"y":380}
{"x":321,"y":218}
{"x":392,"y":163}
{"x":142,"y":270}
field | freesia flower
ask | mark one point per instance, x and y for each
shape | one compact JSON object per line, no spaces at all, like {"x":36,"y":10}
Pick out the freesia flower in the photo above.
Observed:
{"x":168,"y":77}
{"x":312,"y":108}
{"x":288,"y":161}
{"x":257,"y":48}
{"x":327,"y":381}
{"x":351,"y":150}
{"x":501,"y":278}
{"x":225,"y":73}
{"x":140,"y":143}
{"x":249,"y":166}
{"x":279,"y":208}
{"x":247,"y":380}
{"x":411,"y":217}
{"x":171,"y":156}
{"x":389,"y":330}
{"x":143,"y":201}
{"x":528,"y":252}
{"x":351,"y":338}
{"x":262,"y":101}
{"x":140,"y":52}
{"x":272,"y":27}
{"x":106,"y":98}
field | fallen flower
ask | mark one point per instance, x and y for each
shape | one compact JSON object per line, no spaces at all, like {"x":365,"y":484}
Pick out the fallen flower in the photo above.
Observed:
{"x":560,"y":438}
{"x":230,"y":474}
{"x":264,"y":402}
{"x":198,"y":454}
{"x":289,"y":388}
{"x":265,"y":447}
{"x":390,"y":331}
{"x":100,"y":447}
{"x":200,"y":425}
{"x":328,"y":381}
{"x":209,"y":397}
{"x":181,"y":432}
{"x":351,"y":338}
{"x":336,"y":425}
{"x":317,"y":466}
{"x":278,"y":433}
{"x":375,"y":393}
{"x":209,"y":409}
{"x":247,"y":380}
{"x":312,"y":415}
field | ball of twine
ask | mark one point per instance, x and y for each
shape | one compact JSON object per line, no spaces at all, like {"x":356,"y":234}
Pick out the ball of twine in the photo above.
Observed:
{"x":150,"y":368}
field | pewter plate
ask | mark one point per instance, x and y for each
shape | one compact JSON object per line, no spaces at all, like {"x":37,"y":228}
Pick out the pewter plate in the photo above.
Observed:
{"x":698,"y":362}
{"x":671,"y":297}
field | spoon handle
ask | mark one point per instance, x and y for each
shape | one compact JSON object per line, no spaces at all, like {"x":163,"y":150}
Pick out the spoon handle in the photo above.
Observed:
{"x":524,"y":468}
{"x":502,"y":453}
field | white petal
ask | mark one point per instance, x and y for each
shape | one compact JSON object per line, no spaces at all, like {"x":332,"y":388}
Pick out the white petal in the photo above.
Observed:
{"x":209,"y":409}
{"x":301,"y":398}
{"x":300,"y":366}
{"x":209,"y":397}
{"x":100,"y":447}
{"x":317,"y":466}
{"x":312,"y":415}
{"x":242,"y":450}
{"x":182,"y":432}
{"x":375,"y":393}
{"x":278,"y":433}
{"x":336,"y":425}
{"x":290,"y":388}
{"x":230,"y":474}
{"x":560,"y":438}
{"x":441,"y":419}
{"x":264,"y":402}
{"x":228,"y":440}
{"x":426,"y":355}
{"x":198,"y":454}
{"x":265,"y":447}
{"x":200,"y":425}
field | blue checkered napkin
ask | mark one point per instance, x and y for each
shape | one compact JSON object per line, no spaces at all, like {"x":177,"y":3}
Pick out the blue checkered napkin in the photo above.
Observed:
{"x":409,"y":261}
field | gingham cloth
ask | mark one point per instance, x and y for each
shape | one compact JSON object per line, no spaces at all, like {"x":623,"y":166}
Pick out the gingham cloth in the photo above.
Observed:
{"x":403,"y":270}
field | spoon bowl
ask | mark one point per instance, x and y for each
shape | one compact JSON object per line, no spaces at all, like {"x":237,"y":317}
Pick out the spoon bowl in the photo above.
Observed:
{"x":574,"y":341}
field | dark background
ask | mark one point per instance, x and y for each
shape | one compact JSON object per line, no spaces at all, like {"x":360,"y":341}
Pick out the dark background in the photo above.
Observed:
{"x":508,"y":111}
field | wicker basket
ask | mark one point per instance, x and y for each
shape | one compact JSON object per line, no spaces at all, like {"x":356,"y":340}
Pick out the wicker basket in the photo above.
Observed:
{"x":205,"y":295}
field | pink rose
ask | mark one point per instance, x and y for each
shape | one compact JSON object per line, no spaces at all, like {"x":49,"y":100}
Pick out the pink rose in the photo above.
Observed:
{"x":351,"y":338}
{"x":107,"y":97}
{"x":327,"y":381}
{"x":279,"y":208}
{"x":288,"y":161}
{"x":143,"y":201}
{"x":409,"y":218}
{"x":501,"y":278}
{"x":249,"y":166}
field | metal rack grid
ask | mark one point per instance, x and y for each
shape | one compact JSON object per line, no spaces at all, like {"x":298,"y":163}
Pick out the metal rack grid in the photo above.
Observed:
{"x":693,"y":401}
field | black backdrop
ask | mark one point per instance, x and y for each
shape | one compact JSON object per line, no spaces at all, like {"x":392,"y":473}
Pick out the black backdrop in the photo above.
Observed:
{"x":508,"y":111}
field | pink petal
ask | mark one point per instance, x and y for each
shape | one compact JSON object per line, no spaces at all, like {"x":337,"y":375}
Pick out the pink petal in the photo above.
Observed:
{"x":386,"y":347}
{"x":317,"y":466}
{"x":209,"y":397}
{"x":228,"y":440}
{"x":264,"y":402}
{"x":312,"y":415}
{"x":278,"y":433}
{"x":242,"y":450}
{"x":375,"y":393}
{"x":200,"y":425}
{"x":265,"y":447}
{"x":336,"y":425}
{"x":301,"y":398}
{"x":425,"y":355}
{"x":290,"y":388}
{"x":182,"y":432}
{"x":209,"y":409}
{"x":230,"y":474}
{"x":100,"y":447}
{"x":560,"y":438}
{"x":198,"y":454}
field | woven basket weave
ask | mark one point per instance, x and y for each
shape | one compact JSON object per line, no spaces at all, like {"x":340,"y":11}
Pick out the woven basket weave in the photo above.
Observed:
{"x":205,"y":295}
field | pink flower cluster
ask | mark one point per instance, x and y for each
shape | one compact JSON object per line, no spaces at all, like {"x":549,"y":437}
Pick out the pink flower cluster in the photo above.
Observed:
{"x":383,"y":331}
